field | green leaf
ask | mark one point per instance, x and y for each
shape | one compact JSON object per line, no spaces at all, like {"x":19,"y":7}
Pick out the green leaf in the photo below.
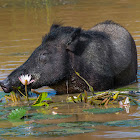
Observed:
{"x":42,"y":97}
{"x":17,"y":114}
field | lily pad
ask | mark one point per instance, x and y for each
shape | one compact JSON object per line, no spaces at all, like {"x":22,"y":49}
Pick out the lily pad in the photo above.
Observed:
{"x":103,"y":111}
{"x":69,"y":131}
{"x":124,"y":123}
{"x":79,"y":124}
{"x":38,"y":116}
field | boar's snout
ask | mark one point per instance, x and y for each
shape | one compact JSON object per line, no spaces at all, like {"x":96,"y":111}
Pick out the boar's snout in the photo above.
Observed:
{"x":5,"y":85}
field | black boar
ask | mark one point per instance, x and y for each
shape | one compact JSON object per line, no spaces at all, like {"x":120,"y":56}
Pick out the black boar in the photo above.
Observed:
{"x":104,"y":55}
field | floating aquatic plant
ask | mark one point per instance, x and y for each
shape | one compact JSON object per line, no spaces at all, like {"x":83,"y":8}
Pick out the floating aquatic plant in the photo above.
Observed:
{"x":103,"y":111}
{"x":124,"y":123}
{"x":38,"y":116}
{"x":80,"y":124}
{"x":69,"y":131}
{"x":99,"y":98}
{"x":17,"y":114}
{"x":104,"y":97}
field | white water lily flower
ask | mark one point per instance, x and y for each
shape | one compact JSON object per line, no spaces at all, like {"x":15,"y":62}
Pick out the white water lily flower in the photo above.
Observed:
{"x":25,"y":79}
{"x":126,"y":101}
{"x":54,"y":113}
{"x":126,"y":104}
{"x":127,"y":108}
{"x":121,"y":104}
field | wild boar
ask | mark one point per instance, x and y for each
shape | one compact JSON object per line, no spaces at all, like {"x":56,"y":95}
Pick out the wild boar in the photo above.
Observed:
{"x":104,"y":55}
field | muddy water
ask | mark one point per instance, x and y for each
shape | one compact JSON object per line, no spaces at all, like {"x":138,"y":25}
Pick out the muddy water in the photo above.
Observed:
{"x":23,"y":23}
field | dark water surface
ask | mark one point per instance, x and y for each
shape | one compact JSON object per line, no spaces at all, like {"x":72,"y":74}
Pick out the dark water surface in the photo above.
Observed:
{"x":24,"y":22}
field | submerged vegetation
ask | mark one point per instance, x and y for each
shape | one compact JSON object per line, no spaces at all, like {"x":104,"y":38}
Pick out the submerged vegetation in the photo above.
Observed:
{"x":29,"y":115}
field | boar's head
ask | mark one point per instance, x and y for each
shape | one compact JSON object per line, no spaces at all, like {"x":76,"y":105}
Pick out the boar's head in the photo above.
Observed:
{"x":49,"y":63}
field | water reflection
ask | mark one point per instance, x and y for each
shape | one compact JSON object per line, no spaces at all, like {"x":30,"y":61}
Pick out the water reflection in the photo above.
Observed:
{"x":120,"y":134}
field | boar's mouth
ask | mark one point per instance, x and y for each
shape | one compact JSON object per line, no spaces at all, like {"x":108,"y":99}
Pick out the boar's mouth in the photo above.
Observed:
{"x":5,"y":88}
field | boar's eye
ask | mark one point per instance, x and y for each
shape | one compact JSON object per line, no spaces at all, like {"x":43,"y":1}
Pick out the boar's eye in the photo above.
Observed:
{"x":44,"y":57}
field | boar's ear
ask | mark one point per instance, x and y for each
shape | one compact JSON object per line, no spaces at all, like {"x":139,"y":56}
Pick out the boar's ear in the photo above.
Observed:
{"x":73,"y":39}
